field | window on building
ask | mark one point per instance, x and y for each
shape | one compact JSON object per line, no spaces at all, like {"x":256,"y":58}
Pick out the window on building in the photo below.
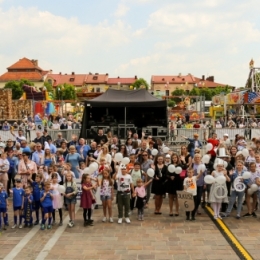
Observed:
{"x":72,"y":79}
{"x":167,"y":93}
{"x":50,"y":81}
{"x":95,"y":77}
{"x":98,"y":90}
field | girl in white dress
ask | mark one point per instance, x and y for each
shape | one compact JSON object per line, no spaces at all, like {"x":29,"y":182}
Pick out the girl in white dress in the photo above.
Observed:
{"x":215,"y":198}
{"x":57,"y":202}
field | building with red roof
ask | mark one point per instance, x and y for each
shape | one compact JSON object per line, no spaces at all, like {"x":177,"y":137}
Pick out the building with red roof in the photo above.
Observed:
{"x":167,"y":84}
{"x":24,"y":69}
{"x":121,"y":83}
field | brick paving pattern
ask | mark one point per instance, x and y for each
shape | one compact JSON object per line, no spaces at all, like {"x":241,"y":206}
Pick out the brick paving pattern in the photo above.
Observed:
{"x":157,"y":237}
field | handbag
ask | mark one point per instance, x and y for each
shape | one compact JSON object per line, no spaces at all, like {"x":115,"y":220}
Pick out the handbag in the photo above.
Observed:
{"x":183,"y":174}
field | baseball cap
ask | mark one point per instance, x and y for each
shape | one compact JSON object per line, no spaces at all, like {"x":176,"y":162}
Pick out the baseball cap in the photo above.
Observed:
{"x":225,"y":135}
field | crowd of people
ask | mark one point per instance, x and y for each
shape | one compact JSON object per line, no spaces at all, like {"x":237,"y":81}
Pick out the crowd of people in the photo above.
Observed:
{"x":28,"y":123}
{"x":40,"y":177}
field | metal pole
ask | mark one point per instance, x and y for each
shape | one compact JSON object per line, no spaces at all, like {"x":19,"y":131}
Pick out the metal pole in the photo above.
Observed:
{"x":125,"y":124}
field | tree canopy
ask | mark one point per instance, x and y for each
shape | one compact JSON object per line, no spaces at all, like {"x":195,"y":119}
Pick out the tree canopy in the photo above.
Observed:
{"x":17,"y":87}
{"x":139,"y":83}
{"x":65,"y":92}
{"x":207,"y":92}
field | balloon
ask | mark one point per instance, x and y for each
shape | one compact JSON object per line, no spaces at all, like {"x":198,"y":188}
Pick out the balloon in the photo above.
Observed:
{"x":166,"y":149}
{"x":249,"y":191}
{"x":239,"y":185}
{"x":238,"y":153}
{"x":221,"y":179}
{"x":171,"y":168}
{"x":118,"y":157}
{"x":245,"y":152}
{"x":201,"y":167}
{"x":209,"y":179}
{"x":150,"y":172}
{"x":154,"y":152}
{"x":254,"y":187}
{"x":125,"y":160}
{"x":92,"y":167}
{"x":61,"y":189}
{"x":205,"y":158}
{"x":86,"y":170}
{"x":225,"y":164}
{"x":209,"y":147}
{"x":246,"y":175}
{"x":178,"y":170}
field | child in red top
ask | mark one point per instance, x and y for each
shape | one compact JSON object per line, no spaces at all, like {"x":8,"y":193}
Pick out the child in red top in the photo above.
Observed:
{"x":87,"y":199}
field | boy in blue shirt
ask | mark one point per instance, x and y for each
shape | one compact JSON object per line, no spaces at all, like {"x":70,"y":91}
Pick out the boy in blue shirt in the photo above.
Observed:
{"x":37,"y":186}
{"x":3,"y":206}
{"x":18,"y":201}
{"x":46,"y":201}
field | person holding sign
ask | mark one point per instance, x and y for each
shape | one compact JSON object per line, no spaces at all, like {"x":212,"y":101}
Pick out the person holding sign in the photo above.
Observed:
{"x":218,"y":192}
{"x":190,"y":185}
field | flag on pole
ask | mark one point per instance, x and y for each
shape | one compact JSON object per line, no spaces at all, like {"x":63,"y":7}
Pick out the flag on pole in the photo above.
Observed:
{"x":253,"y":96}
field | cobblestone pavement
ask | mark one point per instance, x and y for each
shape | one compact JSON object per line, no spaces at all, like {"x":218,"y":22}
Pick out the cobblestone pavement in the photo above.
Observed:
{"x":247,"y":232}
{"x":157,"y":237}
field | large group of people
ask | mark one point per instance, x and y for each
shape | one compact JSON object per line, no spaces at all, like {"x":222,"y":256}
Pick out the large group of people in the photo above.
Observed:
{"x":41,"y":176}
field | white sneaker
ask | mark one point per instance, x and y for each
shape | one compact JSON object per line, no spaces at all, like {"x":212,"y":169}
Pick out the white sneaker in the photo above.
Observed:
{"x":21,"y":226}
{"x":104,"y":219}
{"x":111,"y":220}
{"x":14,"y":226}
{"x":120,"y":220}
{"x":127,"y":220}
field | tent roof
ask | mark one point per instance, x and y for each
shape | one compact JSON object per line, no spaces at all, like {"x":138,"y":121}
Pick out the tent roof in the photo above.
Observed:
{"x":125,"y":98}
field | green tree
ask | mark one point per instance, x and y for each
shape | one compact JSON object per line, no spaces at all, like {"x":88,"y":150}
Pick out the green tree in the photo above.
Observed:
{"x":171,"y":103}
{"x":17,"y":91}
{"x":17,"y":87}
{"x":139,"y":83}
{"x":48,"y":86}
{"x":65,"y":92}
{"x":178,"y":92}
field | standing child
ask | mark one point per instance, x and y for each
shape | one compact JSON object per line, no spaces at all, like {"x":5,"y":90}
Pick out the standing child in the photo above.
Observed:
{"x":190,"y":185}
{"x":125,"y":185}
{"x":46,"y":201}
{"x":70,"y":195}
{"x":28,"y":207}
{"x":3,"y":206}
{"x":87,"y":199}
{"x":18,"y":198}
{"x":57,"y":201}
{"x":37,"y":187}
{"x":213,"y":195}
{"x":81,"y":168}
{"x":141,"y":197}
{"x":106,"y":194}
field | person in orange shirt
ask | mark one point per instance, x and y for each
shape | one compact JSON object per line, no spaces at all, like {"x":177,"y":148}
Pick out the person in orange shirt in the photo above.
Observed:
{"x":130,"y":165}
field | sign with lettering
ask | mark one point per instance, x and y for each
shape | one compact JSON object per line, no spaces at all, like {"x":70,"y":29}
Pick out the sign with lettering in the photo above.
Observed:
{"x":78,"y":181}
{"x":186,"y":199}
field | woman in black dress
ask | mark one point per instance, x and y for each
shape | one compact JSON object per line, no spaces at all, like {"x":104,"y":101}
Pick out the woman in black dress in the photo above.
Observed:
{"x":158,"y":187}
{"x":174,"y":183}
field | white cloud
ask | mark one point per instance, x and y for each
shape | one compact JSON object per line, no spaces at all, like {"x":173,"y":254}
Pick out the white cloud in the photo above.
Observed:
{"x":122,"y":10}
{"x":211,"y":37}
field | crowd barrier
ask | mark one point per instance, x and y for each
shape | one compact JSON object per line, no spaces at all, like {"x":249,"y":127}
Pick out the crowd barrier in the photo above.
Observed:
{"x":31,"y":135}
{"x":175,"y":136}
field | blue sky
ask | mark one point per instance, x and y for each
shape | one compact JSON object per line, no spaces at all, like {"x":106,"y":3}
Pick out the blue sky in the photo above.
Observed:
{"x":134,"y":37}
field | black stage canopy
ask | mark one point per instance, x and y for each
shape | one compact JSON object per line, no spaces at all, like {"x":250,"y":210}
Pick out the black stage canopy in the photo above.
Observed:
{"x":138,"y":107}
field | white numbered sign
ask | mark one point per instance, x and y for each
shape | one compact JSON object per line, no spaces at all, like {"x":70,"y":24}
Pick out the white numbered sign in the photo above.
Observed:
{"x":186,"y":200}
